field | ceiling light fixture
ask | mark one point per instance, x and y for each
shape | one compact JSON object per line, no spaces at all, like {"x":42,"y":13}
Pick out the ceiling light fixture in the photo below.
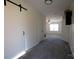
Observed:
{"x":48,"y":2}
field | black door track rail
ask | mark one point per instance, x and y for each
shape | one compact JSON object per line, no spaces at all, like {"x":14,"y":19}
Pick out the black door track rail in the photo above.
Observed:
{"x":19,"y":5}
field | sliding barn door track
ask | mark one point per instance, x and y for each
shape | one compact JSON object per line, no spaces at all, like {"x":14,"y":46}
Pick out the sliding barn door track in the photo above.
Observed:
{"x":19,"y":5}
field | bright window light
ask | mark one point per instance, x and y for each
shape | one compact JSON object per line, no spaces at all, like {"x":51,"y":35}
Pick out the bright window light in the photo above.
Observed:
{"x":54,"y":27}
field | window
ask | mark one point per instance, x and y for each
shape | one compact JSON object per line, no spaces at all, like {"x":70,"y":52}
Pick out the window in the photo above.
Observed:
{"x":54,"y":27}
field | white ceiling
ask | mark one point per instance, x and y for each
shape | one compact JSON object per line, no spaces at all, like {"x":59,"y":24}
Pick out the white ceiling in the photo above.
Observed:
{"x":57,"y":7}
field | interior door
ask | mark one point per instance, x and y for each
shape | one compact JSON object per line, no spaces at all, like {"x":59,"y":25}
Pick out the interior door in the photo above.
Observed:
{"x":14,"y":42}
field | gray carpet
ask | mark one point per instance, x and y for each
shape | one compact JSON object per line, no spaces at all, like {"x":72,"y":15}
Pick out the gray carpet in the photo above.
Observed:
{"x":50,"y":49}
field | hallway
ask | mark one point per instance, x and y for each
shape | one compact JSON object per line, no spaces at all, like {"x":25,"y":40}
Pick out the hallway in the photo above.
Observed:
{"x":39,"y":29}
{"x":50,"y":49}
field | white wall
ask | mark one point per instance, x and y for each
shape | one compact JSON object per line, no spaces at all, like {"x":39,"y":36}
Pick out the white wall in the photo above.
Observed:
{"x":29,"y":21}
{"x":71,"y":41}
{"x":65,"y":30}
{"x":68,"y":30}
